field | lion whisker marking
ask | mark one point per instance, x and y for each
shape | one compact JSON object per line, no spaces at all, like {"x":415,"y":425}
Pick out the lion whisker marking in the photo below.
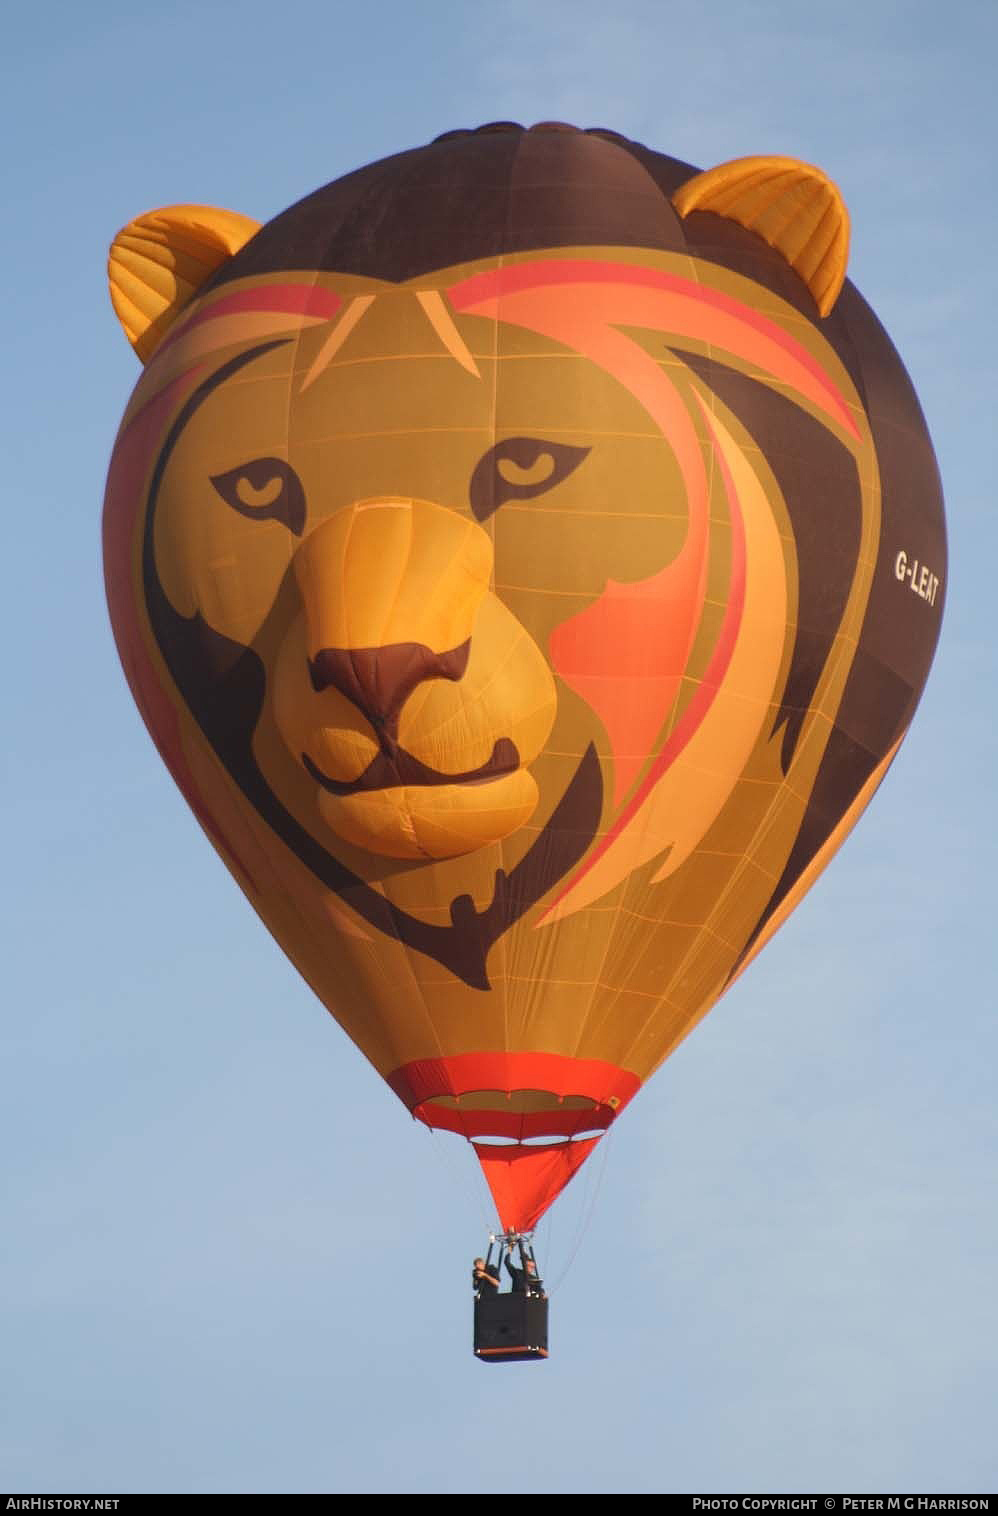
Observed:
{"x":443,"y":324}
{"x":341,"y":331}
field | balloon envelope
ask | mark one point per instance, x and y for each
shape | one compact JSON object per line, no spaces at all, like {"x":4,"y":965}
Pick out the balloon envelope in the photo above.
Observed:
{"x":527,"y":555}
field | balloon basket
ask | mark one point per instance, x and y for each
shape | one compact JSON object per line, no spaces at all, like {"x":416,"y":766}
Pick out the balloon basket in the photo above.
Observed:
{"x":511,"y":1328}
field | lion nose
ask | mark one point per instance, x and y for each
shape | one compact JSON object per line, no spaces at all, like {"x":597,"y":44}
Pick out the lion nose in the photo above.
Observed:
{"x":388,"y":585}
{"x":380,"y":680}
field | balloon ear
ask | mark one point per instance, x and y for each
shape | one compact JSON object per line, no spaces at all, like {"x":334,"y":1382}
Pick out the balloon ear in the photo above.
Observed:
{"x":792,"y":206}
{"x":159,"y":261}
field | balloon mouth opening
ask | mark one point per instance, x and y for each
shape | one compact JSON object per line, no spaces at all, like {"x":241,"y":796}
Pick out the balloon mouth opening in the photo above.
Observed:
{"x":515,"y":1116}
{"x":520,"y":1098}
{"x":540,"y":1113}
{"x":586,"y":1133}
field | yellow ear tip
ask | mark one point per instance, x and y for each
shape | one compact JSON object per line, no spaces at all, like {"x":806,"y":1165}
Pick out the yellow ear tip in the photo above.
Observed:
{"x":792,"y":205}
{"x":159,"y":261}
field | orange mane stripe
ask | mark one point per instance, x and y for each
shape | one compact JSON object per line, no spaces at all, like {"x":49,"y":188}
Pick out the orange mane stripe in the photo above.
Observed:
{"x":702,"y":698}
{"x":503,"y":283}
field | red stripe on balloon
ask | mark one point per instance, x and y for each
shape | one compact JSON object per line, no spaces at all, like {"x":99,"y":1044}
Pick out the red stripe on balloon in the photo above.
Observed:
{"x":289,"y":299}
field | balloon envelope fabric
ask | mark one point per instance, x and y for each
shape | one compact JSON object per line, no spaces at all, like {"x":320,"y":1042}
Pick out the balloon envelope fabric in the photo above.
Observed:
{"x":527,"y":554}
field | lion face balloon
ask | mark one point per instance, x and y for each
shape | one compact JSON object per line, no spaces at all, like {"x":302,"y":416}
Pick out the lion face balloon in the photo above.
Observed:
{"x":527,"y":554}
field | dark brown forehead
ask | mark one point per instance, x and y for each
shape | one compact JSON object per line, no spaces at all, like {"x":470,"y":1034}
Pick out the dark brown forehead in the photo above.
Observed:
{"x":474,"y":194}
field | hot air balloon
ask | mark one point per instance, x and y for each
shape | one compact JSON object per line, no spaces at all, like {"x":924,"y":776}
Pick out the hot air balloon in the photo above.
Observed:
{"x":527,"y":554}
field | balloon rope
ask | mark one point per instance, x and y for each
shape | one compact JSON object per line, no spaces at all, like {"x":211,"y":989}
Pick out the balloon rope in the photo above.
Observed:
{"x":591,"y":1196}
{"x":453,"y":1167}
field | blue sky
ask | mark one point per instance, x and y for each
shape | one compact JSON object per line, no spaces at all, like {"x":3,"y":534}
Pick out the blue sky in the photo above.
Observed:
{"x":233,"y":1262}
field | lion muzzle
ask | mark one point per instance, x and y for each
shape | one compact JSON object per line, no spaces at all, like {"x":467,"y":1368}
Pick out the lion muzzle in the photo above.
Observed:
{"x":408,"y":692}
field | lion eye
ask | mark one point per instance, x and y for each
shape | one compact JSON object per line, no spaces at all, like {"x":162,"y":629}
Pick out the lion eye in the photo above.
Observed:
{"x":518,"y":469}
{"x":267,"y":489}
{"x":540,"y":472}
